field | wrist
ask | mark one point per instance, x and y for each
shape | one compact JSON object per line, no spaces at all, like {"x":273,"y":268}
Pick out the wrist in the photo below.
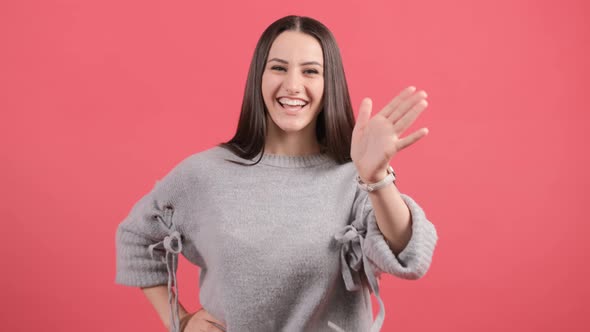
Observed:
{"x":376,"y":177}
{"x":372,"y":185}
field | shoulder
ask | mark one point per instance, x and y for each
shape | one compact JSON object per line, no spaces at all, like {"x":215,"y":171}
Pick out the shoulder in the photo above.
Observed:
{"x":194,"y":167}
{"x":213,"y":156}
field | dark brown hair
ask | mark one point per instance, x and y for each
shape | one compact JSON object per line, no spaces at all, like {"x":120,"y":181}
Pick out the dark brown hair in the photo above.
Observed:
{"x":335,"y":120}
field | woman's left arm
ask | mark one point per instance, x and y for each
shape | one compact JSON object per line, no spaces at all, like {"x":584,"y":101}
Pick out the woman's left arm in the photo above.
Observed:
{"x":374,"y":142}
{"x":393,"y":217}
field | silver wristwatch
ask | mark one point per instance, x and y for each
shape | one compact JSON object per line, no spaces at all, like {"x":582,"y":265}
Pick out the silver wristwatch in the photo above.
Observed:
{"x":378,"y":185}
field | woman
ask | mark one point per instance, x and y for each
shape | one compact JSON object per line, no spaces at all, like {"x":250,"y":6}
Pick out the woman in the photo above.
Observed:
{"x":293,"y":220}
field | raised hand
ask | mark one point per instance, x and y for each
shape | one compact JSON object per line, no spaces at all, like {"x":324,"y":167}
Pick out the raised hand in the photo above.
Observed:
{"x":376,"y":140}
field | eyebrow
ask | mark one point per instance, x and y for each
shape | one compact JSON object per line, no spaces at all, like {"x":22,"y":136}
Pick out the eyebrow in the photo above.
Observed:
{"x":303,"y":63}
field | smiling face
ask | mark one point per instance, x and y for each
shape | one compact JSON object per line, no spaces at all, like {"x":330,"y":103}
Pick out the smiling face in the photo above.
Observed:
{"x":293,"y":84}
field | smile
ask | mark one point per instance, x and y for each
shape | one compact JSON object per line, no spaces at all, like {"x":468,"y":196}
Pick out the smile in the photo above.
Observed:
{"x":292,"y":104}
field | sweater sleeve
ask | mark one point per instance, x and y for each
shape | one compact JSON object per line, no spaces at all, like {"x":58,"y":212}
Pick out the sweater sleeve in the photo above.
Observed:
{"x":414,"y":260}
{"x":147,"y":239}
{"x":365,"y":255}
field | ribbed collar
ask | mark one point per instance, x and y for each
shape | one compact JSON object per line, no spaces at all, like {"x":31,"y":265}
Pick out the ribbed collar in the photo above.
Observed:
{"x":293,"y":161}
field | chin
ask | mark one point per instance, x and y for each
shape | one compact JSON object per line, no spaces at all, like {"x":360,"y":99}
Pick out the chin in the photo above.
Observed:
{"x":289,"y":124}
{"x":292,"y":128}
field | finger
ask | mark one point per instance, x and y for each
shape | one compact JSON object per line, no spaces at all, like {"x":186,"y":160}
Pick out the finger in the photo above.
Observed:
{"x":393,"y":104}
{"x":364,"y":113}
{"x":216,"y":326}
{"x":407,"y":105}
{"x":402,"y":124}
{"x":411,"y":139}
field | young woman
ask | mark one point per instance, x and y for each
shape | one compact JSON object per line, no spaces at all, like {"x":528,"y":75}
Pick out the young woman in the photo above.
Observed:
{"x":294,"y":219}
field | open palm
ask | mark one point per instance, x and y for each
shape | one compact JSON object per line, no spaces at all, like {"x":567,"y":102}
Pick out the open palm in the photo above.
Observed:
{"x":376,"y":140}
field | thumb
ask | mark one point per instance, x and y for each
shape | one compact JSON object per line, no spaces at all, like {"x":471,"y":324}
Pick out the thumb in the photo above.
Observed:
{"x":364,"y":112}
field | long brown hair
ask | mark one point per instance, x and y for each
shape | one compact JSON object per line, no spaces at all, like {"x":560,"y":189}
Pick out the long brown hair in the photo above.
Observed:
{"x":336,"y":119}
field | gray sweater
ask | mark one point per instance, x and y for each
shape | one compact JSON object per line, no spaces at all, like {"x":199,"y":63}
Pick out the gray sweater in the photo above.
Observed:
{"x":290,"y":244}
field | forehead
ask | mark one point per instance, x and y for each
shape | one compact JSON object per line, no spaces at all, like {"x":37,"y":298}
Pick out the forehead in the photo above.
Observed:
{"x":295,"y":46}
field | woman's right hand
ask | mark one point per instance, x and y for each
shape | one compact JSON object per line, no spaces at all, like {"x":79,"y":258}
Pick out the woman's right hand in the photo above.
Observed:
{"x":201,"y":321}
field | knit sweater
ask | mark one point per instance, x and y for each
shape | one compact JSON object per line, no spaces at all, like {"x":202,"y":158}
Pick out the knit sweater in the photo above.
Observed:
{"x":290,"y":244}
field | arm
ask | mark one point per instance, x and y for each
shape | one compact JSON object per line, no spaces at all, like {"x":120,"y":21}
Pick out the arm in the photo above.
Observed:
{"x":392,"y":214}
{"x":374,"y":142}
{"x":158,"y":297}
{"x":415,"y":257}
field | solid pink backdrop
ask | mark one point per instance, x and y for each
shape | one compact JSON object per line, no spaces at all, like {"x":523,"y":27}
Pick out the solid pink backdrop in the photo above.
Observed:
{"x":100,"y":99}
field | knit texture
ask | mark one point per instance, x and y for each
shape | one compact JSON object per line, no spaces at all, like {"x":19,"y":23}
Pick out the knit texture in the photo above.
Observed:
{"x":289,"y":244}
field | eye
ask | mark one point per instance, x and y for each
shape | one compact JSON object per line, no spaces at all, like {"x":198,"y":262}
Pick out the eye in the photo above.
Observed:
{"x":279,"y":68}
{"x":311,"y":71}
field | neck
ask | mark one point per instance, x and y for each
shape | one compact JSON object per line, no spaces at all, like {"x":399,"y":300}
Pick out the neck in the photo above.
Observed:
{"x":299,"y":143}
{"x":291,"y":146}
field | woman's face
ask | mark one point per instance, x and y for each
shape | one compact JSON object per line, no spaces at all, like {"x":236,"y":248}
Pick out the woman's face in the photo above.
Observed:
{"x":293,"y":82}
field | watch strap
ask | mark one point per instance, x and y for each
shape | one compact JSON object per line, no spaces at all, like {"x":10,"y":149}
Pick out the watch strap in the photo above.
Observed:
{"x":369,"y":187}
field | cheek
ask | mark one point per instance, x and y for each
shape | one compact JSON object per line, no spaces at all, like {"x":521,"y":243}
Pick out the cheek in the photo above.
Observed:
{"x":318,"y":91}
{"x":268,"y":86}
{"x":264,"y":85}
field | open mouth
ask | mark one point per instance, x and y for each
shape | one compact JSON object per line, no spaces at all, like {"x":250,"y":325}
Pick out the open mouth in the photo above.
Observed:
{"x":293,"y":106}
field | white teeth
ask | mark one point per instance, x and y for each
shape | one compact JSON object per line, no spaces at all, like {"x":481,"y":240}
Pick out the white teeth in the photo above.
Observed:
{"x":292,"y":102}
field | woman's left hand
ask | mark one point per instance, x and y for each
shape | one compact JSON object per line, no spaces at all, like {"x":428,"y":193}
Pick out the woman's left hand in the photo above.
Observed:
{"x":375,"y":141}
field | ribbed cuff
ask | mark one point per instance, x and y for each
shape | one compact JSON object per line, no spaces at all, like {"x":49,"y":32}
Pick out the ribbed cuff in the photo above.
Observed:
{"x":414,"y":260}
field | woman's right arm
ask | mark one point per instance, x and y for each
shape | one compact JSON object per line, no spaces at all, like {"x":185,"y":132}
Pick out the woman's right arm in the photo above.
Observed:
{"x":200,"y":320}
{"x":143,"y":255}
{"x":158,"y":297}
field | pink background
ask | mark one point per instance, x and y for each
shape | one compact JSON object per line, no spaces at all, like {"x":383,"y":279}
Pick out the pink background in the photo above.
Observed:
{"x":99,"y":99}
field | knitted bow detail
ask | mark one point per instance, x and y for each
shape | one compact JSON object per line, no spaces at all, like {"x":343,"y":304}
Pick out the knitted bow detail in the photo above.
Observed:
{"x":352,"y":260}
{"x":173,"y":246}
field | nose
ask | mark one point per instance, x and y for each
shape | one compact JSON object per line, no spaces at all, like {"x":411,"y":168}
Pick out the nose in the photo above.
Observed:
{"x":292,"y":83}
